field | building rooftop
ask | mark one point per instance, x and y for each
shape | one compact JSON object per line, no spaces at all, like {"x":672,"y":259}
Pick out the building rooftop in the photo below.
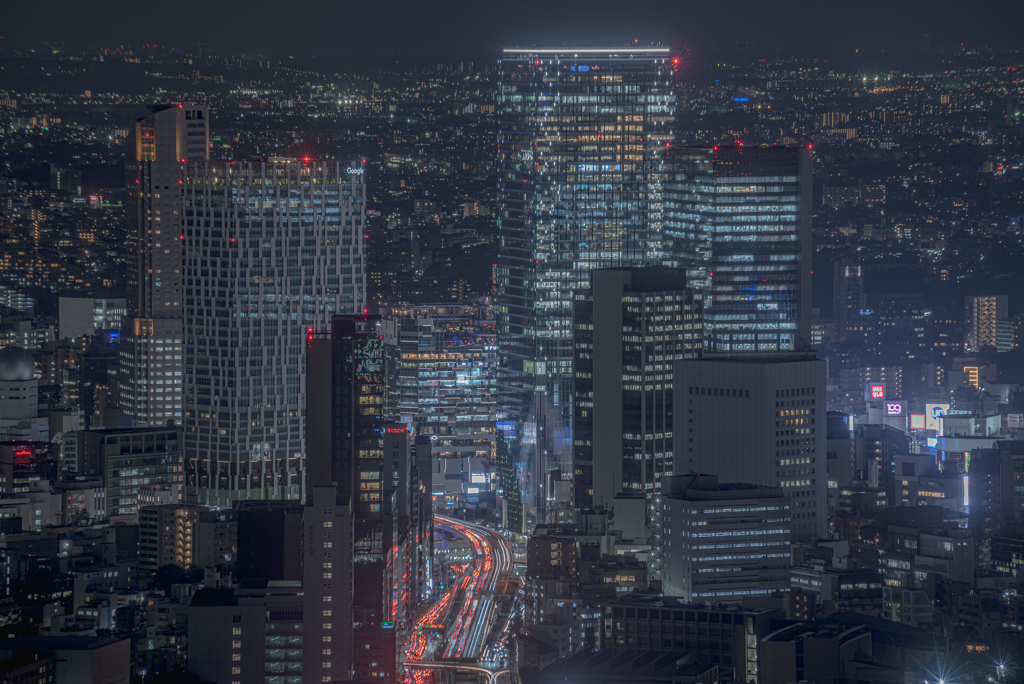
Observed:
{"x":653,"y":601}
{"x":611,"y":51}
{"x":58,"y":643}
{"x":607,"y":663}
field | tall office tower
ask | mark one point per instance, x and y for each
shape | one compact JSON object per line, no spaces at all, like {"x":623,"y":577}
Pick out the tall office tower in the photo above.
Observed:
{"x":361,"y":476}
{"x":628,"y":332}
{"x":273,"y":249}
{"x":738,"y":219}
{"x":724,"y":542}
{"x":151,"y":366}
{"x":442,"y":364}
{"x":760,"y":420}
{"x":848,"y":299}
{"x":980,"y":317}
{"x":580,"y":135}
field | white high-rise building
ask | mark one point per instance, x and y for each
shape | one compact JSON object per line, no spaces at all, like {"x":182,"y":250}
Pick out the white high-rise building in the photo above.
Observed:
{"x":273,"y":250}
{"x":759,"y":420}
{"x":150,"y":369}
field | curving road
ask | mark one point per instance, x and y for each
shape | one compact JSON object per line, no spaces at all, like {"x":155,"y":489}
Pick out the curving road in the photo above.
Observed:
{"x":473,"y":591}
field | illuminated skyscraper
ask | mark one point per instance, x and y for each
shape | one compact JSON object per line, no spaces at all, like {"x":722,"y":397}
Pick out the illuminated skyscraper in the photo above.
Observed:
{"x":273,"y":249}
{"x":981,"y":318}
{"x":580,"y":136}
{"x":150,"y":369}
{"x":738,"y":219}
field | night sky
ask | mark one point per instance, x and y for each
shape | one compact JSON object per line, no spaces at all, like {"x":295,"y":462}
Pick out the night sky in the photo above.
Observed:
{"x":377,"y":28}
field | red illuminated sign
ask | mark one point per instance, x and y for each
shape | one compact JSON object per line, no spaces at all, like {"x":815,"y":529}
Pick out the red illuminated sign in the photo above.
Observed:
{"x":400,"y":431}
{"x":23,"y":452}
{"x":878,"y":391}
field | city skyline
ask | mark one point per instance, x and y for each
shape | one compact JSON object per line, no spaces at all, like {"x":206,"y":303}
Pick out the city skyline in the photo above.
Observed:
{"x":625,"y":362}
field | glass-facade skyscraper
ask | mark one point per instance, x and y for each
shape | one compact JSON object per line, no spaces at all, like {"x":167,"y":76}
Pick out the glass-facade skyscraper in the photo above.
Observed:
{"x":273,"y":250}
{"x":581,"y":134}
{"x":738,"y":219}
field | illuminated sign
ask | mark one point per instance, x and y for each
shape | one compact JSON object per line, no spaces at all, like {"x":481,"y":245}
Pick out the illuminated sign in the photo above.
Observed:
{"x":387,"y":625}
{"x":354,"y":172}
{"x":932,"y":442}
{"x":23,"y":452}
{"x":478,"y":478}
{"x":917,"y":421}
{"x":933,"y":414}
{"x":472,"y":490}
{"x":874,"y":391}
{"x":400,"y":431}
{"x":894,"y":408}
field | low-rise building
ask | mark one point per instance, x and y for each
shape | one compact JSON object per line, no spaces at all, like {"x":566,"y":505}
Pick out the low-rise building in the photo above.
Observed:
{"x":723,"y":542}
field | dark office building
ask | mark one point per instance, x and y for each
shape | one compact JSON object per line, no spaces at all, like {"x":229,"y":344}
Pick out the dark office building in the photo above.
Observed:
{"x":269,"y":541}
{"x":726,"y":637}
{"x":129,"y":458}
{"x":628,"y":332}
{"x":359,"y":475}
{"x":848,"y":299}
